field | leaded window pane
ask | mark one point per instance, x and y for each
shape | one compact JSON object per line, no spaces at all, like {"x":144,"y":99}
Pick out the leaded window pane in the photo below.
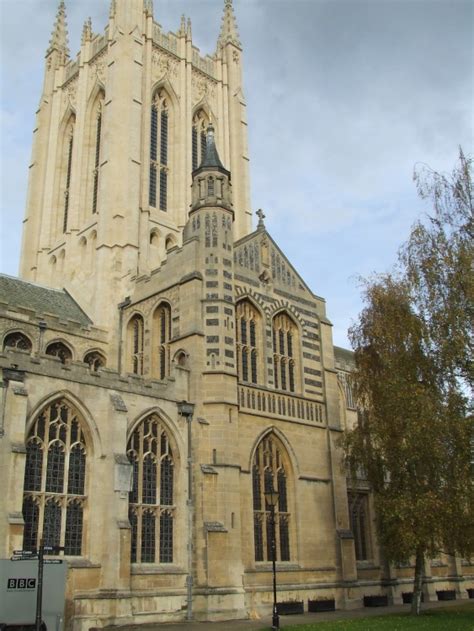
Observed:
{"x":284,"y":540}
{"x":148,"y":537}
{"x":164,"y":138}
{"x":195,"y":148}
{"x":77,"y":470}
{"x":166,"y":538}
{"x":282,"y":497}
{"x":132,"y":516}
{"x":31,"y":518}
{"x":55,"y":469}
{"x":166,"y":482}
{"x":52,"y":523}
{"x":73,"y":536}
{"x":163,"y":189}
{"x":258,"y":538}
{"x":149,"y":480}
{"x":34,"y":466}
{"x":269,"y":537}
{"x":257,"y":497}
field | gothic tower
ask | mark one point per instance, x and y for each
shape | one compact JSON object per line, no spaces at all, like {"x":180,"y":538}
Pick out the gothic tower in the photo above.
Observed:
{"x":119,"y":130}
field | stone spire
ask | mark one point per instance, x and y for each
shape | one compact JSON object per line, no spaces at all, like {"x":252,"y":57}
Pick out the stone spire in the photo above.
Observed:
{"x":211,"y":180}
{"x":59,"y":39}
{"x":87,"y":31}
{"x":189,"y":31}
{"x":229,"y":32}
{"x":182,"y":28}
{"x":211,"y":157}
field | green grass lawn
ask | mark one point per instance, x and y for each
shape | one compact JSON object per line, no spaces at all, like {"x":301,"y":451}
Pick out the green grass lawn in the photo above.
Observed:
{"x":456,"y":618}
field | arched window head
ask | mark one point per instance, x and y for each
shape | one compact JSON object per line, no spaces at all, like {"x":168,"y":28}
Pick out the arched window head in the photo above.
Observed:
{"x":285,"y":348}
{"x":270,"y":472}
{"x":17,"y":341}
{"x":248,"y":326}
{"x":170,"y":242}
{"x":60,"y":350}
{"x":96,"y":129}
{"x":159,"y":169}
{"x":161,"y":341}
{"x":67,"y":161}
{"x":135,"y":331}
{"x":152,"y":503}
{"x":95,"y":360}
{"x":55,"y":496}
{"x":198,"y":141}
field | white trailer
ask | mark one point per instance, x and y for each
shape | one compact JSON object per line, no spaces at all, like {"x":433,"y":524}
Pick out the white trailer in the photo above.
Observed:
{"x":18,"y":591}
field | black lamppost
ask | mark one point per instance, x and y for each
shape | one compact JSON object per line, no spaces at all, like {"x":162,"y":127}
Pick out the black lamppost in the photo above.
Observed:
{"x":271,"y":498}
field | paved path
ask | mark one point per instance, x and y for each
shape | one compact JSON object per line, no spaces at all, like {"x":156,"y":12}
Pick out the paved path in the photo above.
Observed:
{"x":285,"y":621}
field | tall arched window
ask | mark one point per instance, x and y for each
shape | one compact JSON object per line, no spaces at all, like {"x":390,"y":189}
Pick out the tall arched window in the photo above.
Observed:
{"x":248,"y":325}
{"x":200,"y":125}
{"x":68,"y":168}
{"x":161,"y":339}
{"x":285,"y":347}
{"x":17,"y":341}
{"x":135,"y":330}
{"x":152,"y":505}
{"x":54,"y":497}
{"x":97,"y":128}
{"x":270,"y":471}
{"x":159,"y":170}
{"x":359,"y":517}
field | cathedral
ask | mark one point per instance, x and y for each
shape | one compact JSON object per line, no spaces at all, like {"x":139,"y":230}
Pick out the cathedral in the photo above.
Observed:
{"x":164,"y":365}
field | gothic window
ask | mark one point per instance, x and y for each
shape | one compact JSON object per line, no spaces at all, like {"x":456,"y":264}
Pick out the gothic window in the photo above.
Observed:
{"x":248,"y":325}
{"x":214,"y":230}
{"x":17,"y":341}
{"x":95,"y":360}
{"x":151,"y":501}
{"x":200,"y":125}
{"x":135,"y":331}
{"x":68,"y":162}
{"x":269,"y":471}
{"x":55,"y":480}
{"x":159,"y":149}
{"x":285,"y":338}
{"x":358,"y":513}
{"x":161,"y":341}
{"x":60,"y":350}
{"x":97,"y":147}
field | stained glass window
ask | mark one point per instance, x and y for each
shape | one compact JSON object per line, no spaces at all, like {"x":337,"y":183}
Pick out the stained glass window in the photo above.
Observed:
{"x":269,"y":472}
{"x":153,"y":489}
{"x":55,"y":452}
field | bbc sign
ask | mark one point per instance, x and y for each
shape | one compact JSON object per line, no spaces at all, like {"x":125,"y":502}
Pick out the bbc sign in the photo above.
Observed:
{"x":21,"y":583}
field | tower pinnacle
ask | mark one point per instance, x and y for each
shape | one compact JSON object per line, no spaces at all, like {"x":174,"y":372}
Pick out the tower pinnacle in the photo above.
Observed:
{"x":59,"y":38}
{"x":229,"y":32}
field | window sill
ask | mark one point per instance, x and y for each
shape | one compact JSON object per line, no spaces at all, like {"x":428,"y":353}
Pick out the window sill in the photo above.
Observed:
{"x":154,"y":568}
{"x":282,"y":566}
{"x":78,"y":563}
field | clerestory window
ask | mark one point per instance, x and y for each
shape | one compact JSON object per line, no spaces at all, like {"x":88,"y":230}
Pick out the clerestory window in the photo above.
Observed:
{"x":17,"y":341}
{"x":285,"y":344}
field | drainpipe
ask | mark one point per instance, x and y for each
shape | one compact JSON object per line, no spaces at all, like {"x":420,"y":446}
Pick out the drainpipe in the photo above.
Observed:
{"x":121,"y":307}
{"x":186,"y":409}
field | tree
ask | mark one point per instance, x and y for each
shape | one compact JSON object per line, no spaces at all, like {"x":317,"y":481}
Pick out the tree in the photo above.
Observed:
{"x":412,"y":346}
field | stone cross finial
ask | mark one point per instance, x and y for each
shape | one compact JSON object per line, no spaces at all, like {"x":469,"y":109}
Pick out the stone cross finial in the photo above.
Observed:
{"x":261,"y":216}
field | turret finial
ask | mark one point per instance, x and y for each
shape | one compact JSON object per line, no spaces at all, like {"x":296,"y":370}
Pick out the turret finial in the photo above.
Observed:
{"x":113,"y":8}
{"x":189,"y":31}
{"x":182,"y":28}
{"x":261,"y":216}
{"x":59,"y":39}
{"x":229,"y":32}
{"x":149,"y":7}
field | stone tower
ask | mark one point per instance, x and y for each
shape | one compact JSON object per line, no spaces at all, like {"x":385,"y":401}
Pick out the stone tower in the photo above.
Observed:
{"x":119,"y":130}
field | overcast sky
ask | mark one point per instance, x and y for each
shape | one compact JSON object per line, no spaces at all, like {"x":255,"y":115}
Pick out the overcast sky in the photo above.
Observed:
{"x":344,"y":97}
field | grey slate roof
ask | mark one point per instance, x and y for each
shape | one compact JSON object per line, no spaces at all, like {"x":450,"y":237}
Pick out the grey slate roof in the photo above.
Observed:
{"x":210,"y":159}
{"x":22,"y":294}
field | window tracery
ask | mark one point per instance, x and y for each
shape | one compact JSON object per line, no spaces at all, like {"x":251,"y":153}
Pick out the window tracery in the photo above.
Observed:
{"x":248,"y":324}
{"x":161,"y":341}
{"x":285,"y":341}
{"x":60,"y":350}
{"x":151,"y":502}
{"x":269,"y":471}
{"x":95,"y":360}
{"x":135,"y":333}
{"x":159,"y":169}
{"x":55,"y":479}
{"x":17,"y":341}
